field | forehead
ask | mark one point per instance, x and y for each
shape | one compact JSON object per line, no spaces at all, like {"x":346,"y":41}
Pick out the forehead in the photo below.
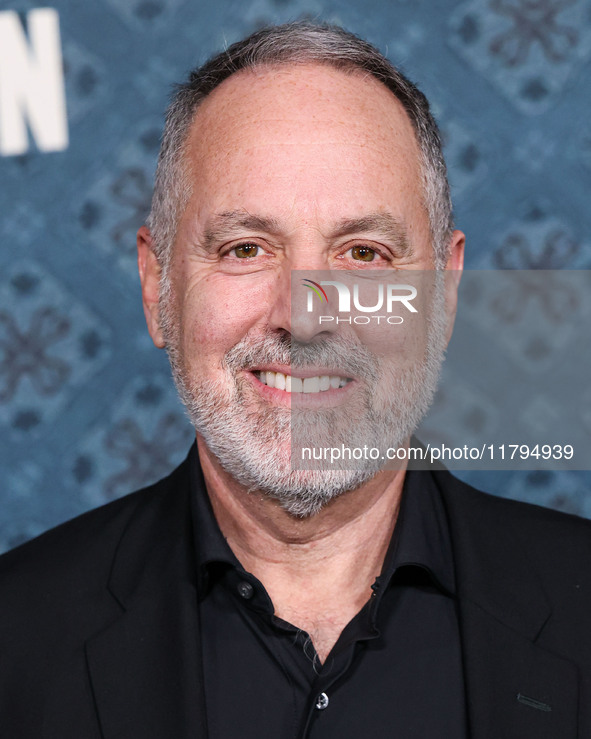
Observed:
{"x":313,"y":126}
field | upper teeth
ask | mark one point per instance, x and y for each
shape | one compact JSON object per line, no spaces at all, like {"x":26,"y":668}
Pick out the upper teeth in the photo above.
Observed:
{"x":301,"y":385}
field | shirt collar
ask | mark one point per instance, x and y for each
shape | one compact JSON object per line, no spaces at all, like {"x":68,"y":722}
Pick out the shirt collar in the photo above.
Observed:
{"x":421,"y":535}
{"x":210,"y":545}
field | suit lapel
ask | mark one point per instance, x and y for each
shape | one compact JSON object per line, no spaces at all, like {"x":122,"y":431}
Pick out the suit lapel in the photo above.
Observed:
{"x":145,"y":668}
{"x":144,"y":671}
{"x":515,"y":689}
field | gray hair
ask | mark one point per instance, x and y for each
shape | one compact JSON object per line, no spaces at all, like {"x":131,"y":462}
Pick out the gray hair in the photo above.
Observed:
{"x":293,"y":43}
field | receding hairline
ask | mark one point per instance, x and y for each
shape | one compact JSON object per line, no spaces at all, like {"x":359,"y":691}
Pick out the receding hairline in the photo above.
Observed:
{"x":264,"y":68}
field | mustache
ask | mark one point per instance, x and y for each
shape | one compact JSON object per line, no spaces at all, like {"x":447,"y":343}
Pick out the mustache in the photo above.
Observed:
{"x":338,"y":352}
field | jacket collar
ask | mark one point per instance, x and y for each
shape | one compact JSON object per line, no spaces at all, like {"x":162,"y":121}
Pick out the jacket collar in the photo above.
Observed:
{"x":145,"y":667}
{"x":514,"y":687}
{"x":491,"y":562}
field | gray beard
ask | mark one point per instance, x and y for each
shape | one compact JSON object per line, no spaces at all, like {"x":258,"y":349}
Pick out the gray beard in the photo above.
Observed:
{"x":255,"y":441}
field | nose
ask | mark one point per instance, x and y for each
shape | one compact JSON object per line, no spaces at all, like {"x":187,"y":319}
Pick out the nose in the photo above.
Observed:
{"x":299,"y":307}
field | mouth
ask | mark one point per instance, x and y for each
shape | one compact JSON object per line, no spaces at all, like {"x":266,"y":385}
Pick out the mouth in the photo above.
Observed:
{"x":309,"y":385}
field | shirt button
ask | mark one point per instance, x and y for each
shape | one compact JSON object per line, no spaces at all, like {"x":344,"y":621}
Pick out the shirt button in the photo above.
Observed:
{"x":246,"y":590}
{"x":322,"y":702}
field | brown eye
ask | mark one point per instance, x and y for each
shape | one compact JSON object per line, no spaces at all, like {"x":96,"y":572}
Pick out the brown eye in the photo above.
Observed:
{"x":363,"y":253}
{"x":244,"y":251}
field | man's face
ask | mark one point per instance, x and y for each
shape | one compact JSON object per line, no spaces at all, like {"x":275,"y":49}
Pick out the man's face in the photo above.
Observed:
{"x":292,"y":168}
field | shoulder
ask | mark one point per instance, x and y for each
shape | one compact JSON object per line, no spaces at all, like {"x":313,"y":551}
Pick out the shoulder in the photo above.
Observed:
{"x":556,"y":544}
{"x":77,"y":555}
{"x":483,"y":507}
{"x":57,"y":592}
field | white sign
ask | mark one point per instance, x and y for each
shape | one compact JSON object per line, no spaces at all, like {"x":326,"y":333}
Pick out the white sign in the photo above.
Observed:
{"x":31,"y":83}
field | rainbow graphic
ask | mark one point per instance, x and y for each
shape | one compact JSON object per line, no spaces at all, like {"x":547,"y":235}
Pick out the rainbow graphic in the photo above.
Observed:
{"x":315,"y":287}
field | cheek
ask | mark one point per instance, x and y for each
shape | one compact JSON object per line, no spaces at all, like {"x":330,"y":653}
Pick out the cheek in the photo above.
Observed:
{"x":217,"y":314}
{"x":399,"y":335}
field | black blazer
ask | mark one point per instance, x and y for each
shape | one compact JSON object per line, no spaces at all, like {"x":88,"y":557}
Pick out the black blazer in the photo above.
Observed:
{"x":99,"y":632}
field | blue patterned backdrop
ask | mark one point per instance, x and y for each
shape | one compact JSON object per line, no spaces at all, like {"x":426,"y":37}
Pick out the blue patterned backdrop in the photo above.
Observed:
{"x":87,"y":409}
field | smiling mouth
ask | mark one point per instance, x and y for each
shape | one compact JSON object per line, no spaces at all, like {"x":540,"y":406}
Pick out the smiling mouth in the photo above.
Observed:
{"x":291,"y":384}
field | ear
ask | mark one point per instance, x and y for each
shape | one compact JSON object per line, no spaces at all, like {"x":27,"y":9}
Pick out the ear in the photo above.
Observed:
{"x":454,"y":268}
{"x":150,"y":272}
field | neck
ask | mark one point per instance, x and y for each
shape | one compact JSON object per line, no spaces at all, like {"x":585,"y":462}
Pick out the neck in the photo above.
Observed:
{"x":318,"y":570}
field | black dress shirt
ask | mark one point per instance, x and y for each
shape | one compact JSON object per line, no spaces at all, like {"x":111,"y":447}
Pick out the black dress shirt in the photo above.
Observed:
{"x":395,"y":671}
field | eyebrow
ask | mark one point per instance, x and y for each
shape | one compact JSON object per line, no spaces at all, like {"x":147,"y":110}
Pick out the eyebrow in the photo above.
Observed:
{"x":223,"y":225}
{"x":383,"y":224}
